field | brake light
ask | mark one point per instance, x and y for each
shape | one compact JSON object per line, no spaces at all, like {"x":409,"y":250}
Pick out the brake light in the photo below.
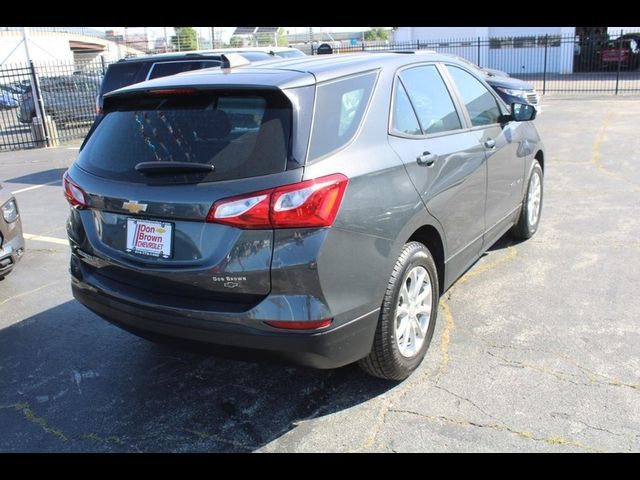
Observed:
{"x":73,"y":193}
{"x":314,"y":325}
{"x":172,"y":91}
{"x":312,"y":203}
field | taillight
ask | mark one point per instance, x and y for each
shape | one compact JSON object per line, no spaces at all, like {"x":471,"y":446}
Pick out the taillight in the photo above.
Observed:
{"x":313,"y":325}
{"x":73,"y":193}
{"x":244,"y":211}
{"x":312,"y":203}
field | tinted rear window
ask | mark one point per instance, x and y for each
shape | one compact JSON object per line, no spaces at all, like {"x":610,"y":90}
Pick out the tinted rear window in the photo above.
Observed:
{"x":171,"y":68}
{"x":244,"y":134}
{"x":121,"y":75}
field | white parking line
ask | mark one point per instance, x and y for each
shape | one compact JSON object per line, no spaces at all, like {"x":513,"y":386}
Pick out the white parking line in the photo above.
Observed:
{"x":36,"y":186}
{"x":42,"y":238}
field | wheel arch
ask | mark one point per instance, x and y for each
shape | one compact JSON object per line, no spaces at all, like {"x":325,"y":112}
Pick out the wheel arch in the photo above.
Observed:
{"x":540,"y":157}
{"x":429,"y":236}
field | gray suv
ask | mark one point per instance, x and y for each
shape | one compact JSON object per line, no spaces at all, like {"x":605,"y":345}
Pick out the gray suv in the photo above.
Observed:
{"x":315,"y":207}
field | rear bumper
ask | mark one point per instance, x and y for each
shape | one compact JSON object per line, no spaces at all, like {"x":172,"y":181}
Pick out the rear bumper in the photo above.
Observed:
{"x":332,"y":348}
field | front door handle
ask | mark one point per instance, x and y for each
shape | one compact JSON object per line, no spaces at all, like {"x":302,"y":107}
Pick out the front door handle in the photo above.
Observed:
{"x":427,"y":159}
{"x":490,"y":143}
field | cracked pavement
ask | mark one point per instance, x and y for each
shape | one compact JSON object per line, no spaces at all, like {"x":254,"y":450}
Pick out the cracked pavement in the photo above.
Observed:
{"x":537,"y":347}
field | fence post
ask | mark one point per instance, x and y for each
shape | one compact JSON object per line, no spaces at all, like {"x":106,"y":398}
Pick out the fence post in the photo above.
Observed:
{"x":103,"y":65}
{"x":37,"y":102}
{"x":619,"y":61}
{"x":417,"y":44}
{"x":544,"y":73}
{"x":479,"y":52}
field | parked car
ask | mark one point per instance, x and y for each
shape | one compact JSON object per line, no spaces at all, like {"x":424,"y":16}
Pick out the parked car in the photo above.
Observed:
{"x":624,"y":50}
{"x":11,"y":239}
{"x":286,"y":207}
{"x":282,"y":52}
{"x":66,"y":98}
{"x":132,"y":70}
{"x":511,"y":90}
{"x":7,"y":101}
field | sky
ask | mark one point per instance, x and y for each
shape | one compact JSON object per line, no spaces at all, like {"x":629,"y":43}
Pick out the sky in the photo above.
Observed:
{"x":228,"y":31}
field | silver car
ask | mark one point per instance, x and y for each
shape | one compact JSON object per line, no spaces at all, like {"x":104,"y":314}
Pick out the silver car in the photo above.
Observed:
{"x":11,"y":239}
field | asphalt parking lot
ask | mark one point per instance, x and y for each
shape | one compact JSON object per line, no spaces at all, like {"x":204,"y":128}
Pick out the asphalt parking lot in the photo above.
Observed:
{"x":537,"y":347}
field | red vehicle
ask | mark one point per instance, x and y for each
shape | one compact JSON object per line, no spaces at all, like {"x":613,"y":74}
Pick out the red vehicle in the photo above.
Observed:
{"x":625,"y":50}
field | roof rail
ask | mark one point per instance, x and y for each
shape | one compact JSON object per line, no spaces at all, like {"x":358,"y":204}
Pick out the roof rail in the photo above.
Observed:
{"x":413,"y":51}
{"x":233,"y":60}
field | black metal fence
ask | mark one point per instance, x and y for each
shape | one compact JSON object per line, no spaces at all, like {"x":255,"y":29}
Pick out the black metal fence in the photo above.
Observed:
{"x":554,"y":64}
{"x":60,"y":109}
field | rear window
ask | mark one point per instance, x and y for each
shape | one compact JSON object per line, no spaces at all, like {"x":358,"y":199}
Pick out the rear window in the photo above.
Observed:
{"x":340,"y":107}
{"x":121,"y":75}
{"x":171,"y":68}
{"x":243,"y":134}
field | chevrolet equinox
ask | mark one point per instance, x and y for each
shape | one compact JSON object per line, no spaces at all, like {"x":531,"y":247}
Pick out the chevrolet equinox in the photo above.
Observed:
{"x":316,"y":207}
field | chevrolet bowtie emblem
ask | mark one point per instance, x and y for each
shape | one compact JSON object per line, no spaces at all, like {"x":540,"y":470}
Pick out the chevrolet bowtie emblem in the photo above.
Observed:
{"x":134,"y":207}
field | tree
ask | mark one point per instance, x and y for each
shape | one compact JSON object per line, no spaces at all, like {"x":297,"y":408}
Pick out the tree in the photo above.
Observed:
{"x":376,"y":33}
{"x":236,"y":41}
{"x":186,"y":38}
{"x":283,"y":41}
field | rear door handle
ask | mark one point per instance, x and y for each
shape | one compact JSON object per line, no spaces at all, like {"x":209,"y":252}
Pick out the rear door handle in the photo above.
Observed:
{"x":426,"y":159}
{"x":490,"y":143}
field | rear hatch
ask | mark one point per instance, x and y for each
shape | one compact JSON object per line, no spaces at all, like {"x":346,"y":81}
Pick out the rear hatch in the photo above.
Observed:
{"x":146,"y":182}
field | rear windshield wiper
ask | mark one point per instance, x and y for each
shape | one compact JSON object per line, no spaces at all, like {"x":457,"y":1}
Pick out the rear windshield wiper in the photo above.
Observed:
{"x":158,"y":168}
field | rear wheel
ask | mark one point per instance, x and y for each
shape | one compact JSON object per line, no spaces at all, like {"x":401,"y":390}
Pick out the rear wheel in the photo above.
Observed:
{"x":408,"y":316}
{"x":529,"y":218}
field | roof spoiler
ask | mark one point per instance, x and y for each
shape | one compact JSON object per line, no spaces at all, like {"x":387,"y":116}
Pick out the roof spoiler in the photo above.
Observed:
{"x":233,"y":60}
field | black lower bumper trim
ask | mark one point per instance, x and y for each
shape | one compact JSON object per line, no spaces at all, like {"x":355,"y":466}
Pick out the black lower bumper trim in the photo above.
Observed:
{"x":329,"y":349}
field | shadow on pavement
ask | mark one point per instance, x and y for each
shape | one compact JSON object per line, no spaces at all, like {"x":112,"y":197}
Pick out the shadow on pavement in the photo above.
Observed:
{"x":69,"y":381}
{"x":39,"y":178}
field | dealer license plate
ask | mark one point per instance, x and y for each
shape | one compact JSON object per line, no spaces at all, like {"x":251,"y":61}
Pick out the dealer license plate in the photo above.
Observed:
{"x":149,"y":238}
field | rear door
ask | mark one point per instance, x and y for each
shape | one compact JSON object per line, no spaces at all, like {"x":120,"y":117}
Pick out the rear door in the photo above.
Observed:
{"x":505,"y":168}
{"x":444,"y":159}
{"x":150,"y":230}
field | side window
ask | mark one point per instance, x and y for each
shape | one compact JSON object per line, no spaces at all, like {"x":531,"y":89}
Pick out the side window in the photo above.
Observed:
{"x":481,"y":104}
{"x":404,"y":118}
{"x":431,"y":100}
{"x":340,"y":107}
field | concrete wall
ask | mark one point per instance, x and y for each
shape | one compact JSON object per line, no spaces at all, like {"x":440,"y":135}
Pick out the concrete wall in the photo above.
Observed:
{"x":42,"y":48}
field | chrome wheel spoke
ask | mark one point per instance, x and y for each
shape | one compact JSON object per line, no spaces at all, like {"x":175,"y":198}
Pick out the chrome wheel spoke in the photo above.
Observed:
{"x":413,"y":311}
{"x":534,"y":198}
{"x":425,"y":295}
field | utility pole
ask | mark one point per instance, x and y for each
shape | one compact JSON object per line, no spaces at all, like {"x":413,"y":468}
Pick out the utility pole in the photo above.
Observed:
{"x":213,"y":37}
{"x":166,"y":40}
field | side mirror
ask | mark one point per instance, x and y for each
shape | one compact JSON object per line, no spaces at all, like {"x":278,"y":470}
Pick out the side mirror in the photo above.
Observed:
{"x":522,"y":112}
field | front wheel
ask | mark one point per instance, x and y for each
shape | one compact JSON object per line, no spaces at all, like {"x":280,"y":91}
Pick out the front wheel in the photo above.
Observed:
{"x":529,"y":218}
{"x":408,"y":316}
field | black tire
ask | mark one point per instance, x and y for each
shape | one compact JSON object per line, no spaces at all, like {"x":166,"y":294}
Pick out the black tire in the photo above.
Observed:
{"x":385,"y":360}
{"x":523,"y":229}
